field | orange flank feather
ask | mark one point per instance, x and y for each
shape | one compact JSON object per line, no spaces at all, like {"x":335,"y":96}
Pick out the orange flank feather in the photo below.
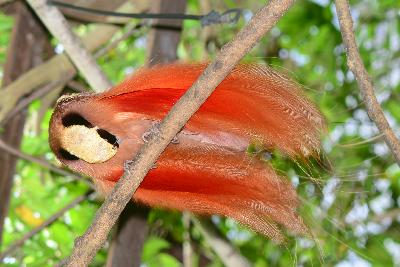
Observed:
{"x":206,"y":168}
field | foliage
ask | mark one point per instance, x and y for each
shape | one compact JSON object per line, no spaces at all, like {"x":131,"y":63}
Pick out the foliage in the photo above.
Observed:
{"x":5,"y":28}
{"x":350,"y":196}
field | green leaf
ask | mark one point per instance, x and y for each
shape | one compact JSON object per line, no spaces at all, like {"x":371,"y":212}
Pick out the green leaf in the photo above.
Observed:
{"x":152,"y":247}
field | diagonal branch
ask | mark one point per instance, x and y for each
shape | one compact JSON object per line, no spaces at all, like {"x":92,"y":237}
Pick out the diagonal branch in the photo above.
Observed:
{"x":15,"y":152}
{"x":53,"y":69}
{"x":58,"y":66}
{"x":187,"y":250}
{"x":83,"y":60}
{"x":364,"y":81}
{"x":65,"y":78}
{"x":225,"y":250}
{"x":87,"y":245}
{"x":14,"y":246}
{"x":132,"y":222}
{"x":44,"y":90}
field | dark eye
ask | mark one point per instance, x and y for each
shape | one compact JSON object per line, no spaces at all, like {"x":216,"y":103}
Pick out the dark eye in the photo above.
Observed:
{"x":66,"y":155}
{"x":110,"y":138}
{"x":75,"y":119}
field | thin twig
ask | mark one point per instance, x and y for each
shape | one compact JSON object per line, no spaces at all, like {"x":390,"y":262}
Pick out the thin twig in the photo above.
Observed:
{"x":44,"y":90}
{"x":187,"y":247}
{"x":13,"y":151}
{"x":135,"y":171}
{"x":14,"y":246}
{"x":67,"y":77}
{"x":73,"y":45}
{"x":225,"y":251}
{"x":129,"y":31}
{"x":367,"y":141}
{"x":392,"y":214}
{"x":356,"y":66}
{"x":58,"y":66}
{"x":78,"y":87}
{"x":53,"y":69}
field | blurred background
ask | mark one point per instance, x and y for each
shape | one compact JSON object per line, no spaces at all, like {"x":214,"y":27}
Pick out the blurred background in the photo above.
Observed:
{"x":350,"y":201}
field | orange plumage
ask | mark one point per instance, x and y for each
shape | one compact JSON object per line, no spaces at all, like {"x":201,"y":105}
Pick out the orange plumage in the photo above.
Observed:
{"x":206,"y":170}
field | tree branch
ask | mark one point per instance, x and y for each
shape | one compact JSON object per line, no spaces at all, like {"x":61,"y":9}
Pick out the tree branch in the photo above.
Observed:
{"x":130,"y":29}
{"x":21,"y":105}
{"x":53,"y":69}
{"x":364,"y":81}
{"x":187,"y":246}
{"x":78,"y":86}
{"x":15,"y":152}
{"x":135,"y":171}
{"x":132,"y":222}
{"x":56,"y":67}
{"x":225,"y":251}
{"x":43,"y":225}
{"x":65,"y":78}
{"x":80,"y":56}
{"x":23,"y":54}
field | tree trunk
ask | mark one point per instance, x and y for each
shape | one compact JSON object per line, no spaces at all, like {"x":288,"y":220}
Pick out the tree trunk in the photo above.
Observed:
{"x":29,"y":43}
{"x":164,"y":38}
{"x":127,"y":244}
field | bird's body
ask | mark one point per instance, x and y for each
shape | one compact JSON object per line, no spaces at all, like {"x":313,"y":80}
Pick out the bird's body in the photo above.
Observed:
{"x":206,"y":168}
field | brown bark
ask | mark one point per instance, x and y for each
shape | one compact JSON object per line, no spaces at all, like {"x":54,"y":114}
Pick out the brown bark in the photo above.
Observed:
{"x":87,"y":245}
{"x":164,"y":38}
{"x":367,"y":90}
{"x":29,"y":42}
{"x":83,"y":60}
{"x":127,"y":245}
